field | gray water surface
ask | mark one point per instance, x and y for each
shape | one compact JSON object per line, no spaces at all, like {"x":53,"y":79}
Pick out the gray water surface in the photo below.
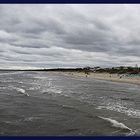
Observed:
{"x":49,"y":103}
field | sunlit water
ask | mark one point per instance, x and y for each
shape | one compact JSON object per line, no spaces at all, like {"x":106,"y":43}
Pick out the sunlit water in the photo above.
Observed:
{"x":48,"y":103}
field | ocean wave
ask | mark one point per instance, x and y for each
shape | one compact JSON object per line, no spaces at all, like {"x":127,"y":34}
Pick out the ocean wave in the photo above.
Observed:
{"x":20,"y":82}
{"x":67,"y":107}
{"x":52,"y":90}
{"x":118,"y":108}
{"x":119,"y":125}
{"x":32,"y":118}
{"x":50,"y":84}
{"x":116,"y":123}
{"x":21,"y":90}
{"x":11,"y":73}
{"x":34,"y":88}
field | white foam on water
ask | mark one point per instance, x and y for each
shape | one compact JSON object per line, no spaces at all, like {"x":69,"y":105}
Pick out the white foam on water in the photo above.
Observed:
{"x":67,"y":106}
{"x":20,"y":82}
{"x":49,"y":84}
{"x":56,"y":92}
{"x":34,"y":88}
{"x":116,"y":123}
{"x":118,"y":108}
{"x":31,"y":118}
{"x":120,"y":125}
{"x":21,"y":90}
{"x":53,"y":90}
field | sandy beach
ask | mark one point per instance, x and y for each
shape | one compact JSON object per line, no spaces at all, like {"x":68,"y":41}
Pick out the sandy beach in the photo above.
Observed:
{"x":107,"y":76}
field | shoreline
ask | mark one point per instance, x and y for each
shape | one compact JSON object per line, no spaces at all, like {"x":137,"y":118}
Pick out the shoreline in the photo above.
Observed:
{"x":108,"y":77}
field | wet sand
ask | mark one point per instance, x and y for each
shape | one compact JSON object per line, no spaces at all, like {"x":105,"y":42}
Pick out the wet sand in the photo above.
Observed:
{"x":107,"y":76}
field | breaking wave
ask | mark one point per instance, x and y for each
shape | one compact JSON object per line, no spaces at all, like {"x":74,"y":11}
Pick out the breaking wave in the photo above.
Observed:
{"x":119,"y":125}
{"x":116,"y":123}
{"x":21,"y":90}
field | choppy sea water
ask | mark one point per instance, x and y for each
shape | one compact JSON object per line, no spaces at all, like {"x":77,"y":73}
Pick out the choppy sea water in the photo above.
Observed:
{"x":49,"y":103}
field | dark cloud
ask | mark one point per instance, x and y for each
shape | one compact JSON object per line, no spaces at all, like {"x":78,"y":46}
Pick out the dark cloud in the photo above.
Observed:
{"x":134,"y":51}
{"x":69,"y":35}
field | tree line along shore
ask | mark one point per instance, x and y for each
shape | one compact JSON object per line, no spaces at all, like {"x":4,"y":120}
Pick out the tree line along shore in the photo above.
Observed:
{"x":88,"y":70}
{"x":113,"y":70}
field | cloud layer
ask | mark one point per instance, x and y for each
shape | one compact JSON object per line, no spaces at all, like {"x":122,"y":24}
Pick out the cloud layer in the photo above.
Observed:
{"x":47,"y":36}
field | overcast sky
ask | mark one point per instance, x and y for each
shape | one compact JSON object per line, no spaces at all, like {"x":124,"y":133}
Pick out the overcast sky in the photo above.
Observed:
{"x":69,"y":35}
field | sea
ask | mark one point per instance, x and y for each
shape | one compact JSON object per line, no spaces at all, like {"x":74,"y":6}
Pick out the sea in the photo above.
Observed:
{"x":39,"y":103}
